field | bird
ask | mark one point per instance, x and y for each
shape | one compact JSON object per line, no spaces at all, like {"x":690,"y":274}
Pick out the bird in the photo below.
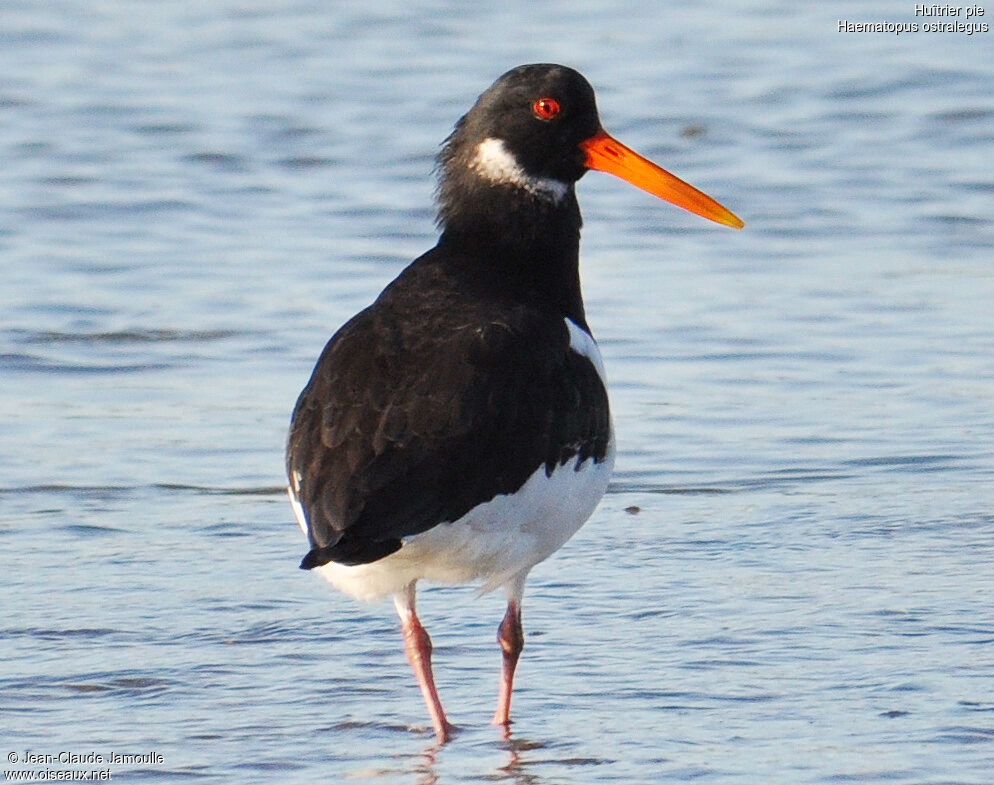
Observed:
{"x":457,"y":430}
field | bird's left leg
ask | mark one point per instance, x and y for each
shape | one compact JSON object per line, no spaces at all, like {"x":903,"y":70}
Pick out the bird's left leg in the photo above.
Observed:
{"x":511,"y":638}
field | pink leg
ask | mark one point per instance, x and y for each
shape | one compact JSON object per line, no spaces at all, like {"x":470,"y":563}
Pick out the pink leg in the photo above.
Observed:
{"x":511,"y":638}
{"x":417,"y":644}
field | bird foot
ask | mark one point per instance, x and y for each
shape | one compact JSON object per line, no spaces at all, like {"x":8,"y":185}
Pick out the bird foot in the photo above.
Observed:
{"x":445,"y":732}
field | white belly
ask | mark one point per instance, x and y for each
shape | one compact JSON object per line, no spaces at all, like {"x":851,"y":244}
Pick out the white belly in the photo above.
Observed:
{"x":494,"y":542}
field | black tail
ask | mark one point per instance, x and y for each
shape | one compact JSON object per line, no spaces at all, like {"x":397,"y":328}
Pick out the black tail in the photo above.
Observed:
{"x":350,"y":553}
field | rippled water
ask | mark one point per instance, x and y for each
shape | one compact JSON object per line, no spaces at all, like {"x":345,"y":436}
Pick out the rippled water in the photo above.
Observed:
{"x":790,"y":579}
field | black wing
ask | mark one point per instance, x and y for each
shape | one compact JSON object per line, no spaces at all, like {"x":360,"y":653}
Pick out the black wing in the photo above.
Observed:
{"x":415,"y":414}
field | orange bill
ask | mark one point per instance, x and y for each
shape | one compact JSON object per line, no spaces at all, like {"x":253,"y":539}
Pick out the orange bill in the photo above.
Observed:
{"x":606,"y":154}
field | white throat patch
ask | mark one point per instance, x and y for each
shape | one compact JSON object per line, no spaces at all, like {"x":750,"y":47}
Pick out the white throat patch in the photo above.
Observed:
{"x":497,"y":164}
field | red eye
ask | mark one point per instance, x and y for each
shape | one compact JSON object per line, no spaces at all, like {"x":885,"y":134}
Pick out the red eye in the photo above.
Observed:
{"x":546,"y":108}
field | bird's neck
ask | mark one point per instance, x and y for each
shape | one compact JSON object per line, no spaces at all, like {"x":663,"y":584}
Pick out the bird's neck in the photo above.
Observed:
{"x":525,"y":246}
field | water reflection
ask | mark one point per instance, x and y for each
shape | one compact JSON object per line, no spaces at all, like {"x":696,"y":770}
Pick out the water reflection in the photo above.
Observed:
{"x":424,"y":769}
{"x":516,"y":769}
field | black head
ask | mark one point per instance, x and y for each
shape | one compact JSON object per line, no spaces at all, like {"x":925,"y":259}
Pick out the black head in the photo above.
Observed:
{"x":540,"y":113}
{"x":524,"y":133}
{"x":528,"y":139}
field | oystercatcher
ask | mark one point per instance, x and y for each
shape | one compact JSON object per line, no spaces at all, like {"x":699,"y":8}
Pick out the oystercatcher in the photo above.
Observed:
{"x":457,"y":429}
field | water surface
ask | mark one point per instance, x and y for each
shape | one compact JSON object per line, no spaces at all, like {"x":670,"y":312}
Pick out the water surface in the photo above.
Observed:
{"x":790,"y":578}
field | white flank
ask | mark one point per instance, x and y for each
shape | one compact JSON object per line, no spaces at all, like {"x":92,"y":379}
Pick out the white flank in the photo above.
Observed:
{"x":497,"y":164}
{"x":583,"y":343}
{"x":298,"y":509}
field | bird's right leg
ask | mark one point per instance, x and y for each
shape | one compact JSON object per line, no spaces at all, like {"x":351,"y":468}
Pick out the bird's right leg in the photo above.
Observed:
{"x":417,"y":644}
